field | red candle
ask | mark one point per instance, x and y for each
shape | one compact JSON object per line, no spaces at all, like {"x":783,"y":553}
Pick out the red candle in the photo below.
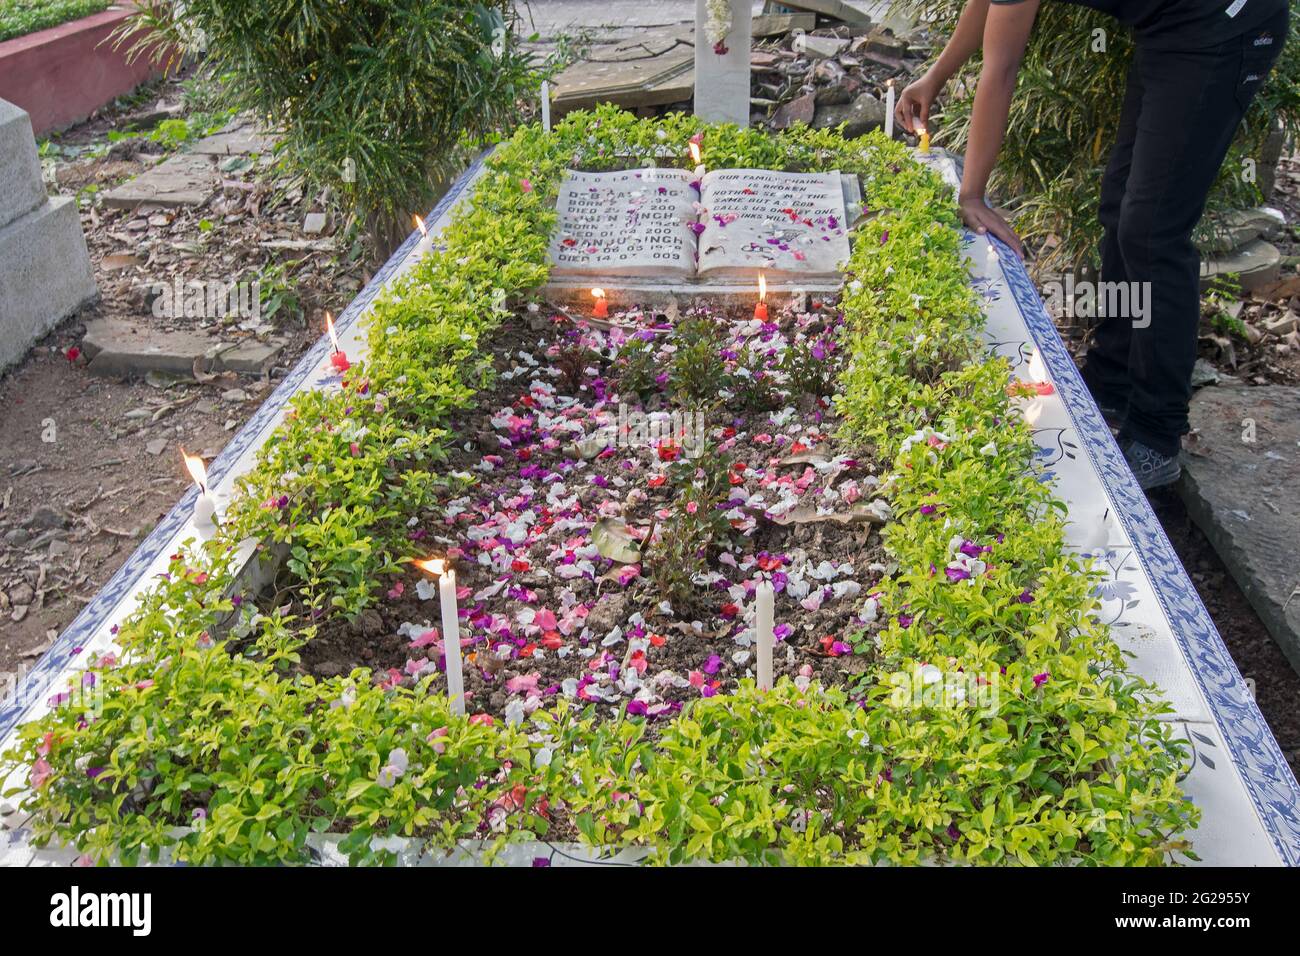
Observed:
{"x":601,"y":311}
{"x":339,"y":359}
{"x":760,"y":310}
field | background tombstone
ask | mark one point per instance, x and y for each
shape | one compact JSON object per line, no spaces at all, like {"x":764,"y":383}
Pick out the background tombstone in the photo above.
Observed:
{"x":45,"y":271}
{"x":722,"y":80}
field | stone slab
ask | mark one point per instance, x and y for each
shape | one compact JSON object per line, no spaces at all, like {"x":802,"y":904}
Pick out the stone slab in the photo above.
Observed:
{"x":1245,"y":496}
{"x":45,"y":275}
{"x":21,"y":186}
{"x":119,"y":348}
{"x":1256,"y":264}
{"x":776,"y":24}
{"x":240,"y":141}
{"x":835,"y":9}
{"x":187,"y":179}
{"x":650,"y":70}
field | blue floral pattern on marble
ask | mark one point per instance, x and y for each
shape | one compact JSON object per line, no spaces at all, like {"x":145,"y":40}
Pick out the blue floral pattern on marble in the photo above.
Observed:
{"x":1264,"y":771}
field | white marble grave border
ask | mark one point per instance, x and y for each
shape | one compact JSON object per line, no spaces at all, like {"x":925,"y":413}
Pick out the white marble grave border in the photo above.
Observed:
{"x":1250,"y":801}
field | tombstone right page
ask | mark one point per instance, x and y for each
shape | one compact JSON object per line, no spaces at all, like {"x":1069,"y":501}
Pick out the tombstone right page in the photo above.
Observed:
{"x":763,"y":220}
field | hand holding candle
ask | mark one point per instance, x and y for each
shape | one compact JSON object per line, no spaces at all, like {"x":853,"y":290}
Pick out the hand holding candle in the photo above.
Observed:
{"x":205,"y":506}
{"x":601,"y":310}
{"x":338,"y":359}
{"x":446,"y":576}
{"x":764,"y":600}
{"x":760,"y":310}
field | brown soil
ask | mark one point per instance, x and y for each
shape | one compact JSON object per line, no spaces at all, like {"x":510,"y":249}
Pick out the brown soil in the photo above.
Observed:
{"x":90,"y":464}
{"x":606,"y":614}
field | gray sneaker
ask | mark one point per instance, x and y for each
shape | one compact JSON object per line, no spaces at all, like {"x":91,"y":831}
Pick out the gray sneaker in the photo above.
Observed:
{"x":1152,"y":469}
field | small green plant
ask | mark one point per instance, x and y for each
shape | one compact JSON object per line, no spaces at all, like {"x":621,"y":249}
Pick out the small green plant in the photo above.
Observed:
{"x":277,"y":291}
{"x":752,"y":382}
{"x":573,"y":359}
{"x":21,"y":17}
{"x":1217,"y":302}
{"x":696,"y":526}
{"x":811,"y":365}
{"x":695,"y":372}
{"x":637,"y":365}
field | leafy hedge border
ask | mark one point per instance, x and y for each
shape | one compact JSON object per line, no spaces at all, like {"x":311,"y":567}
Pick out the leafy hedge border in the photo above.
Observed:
{"x":1073,"y":766}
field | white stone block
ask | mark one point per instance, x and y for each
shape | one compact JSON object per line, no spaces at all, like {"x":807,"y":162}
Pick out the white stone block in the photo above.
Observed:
{"x":45,"y":275}
{"x":722,"y":80}
{"x":21,"y":186}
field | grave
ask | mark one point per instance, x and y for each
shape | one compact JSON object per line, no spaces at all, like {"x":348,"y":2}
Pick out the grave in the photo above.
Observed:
{"x":1235,"y":773}
{"x":45,"y":272}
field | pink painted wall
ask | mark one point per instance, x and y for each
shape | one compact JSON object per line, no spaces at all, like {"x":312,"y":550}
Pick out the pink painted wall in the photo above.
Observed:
{"x":63,"y":74}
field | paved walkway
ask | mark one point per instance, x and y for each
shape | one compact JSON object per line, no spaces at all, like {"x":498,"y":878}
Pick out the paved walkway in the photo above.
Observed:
{"x":552,"y":18}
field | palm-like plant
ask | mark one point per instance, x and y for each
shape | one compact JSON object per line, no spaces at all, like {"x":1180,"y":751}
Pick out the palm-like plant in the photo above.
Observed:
{"x":377,"y":99}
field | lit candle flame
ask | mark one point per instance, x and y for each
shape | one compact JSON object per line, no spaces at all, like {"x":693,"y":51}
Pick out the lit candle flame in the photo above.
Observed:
{"x":598,"y":293}
{"x":762,"y":287}
{"x":434,"y":566}
{"x":695,"y":153}
{"x":420,"y":224}
{"x":329,"y":327}
{"x":194,"y":464}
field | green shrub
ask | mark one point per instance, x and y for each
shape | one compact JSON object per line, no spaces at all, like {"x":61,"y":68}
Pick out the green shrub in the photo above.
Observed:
{"x":1063,"y":122}
{"x":377,"y":100}
{"x":21,"y":17}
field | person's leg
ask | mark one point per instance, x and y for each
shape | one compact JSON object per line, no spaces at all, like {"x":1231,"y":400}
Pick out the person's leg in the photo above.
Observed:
{"x":1105,"y":369}
{"x":1193,"y":102}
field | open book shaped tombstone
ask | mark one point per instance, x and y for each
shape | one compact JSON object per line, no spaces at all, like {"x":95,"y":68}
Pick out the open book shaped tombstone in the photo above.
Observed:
{"x":731,"y":222}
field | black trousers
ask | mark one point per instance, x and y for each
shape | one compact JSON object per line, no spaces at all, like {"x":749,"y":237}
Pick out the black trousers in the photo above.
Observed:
{"x":1181,"y":110}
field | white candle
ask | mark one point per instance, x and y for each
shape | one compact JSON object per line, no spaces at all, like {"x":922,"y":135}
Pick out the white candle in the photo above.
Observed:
{"x":450,"y":631}
{"x":205,"y":511}
{"x":889,"y":110}
{"x":764,"y":597}
{"x":205,"y":505}
{"x":546,"y":106}
{"x":451,"y":642}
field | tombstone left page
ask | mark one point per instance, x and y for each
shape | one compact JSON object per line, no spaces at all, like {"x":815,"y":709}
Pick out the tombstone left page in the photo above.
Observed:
{"x":635,"y":222}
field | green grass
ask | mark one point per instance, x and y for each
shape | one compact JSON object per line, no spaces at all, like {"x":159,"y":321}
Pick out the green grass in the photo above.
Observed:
{"x":21,"y":17}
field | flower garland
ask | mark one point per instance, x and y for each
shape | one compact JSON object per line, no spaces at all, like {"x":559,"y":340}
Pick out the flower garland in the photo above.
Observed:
{"x":717,"y":24}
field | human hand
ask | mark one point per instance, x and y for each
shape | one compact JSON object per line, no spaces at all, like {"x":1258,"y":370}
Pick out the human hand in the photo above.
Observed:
{"x":983,"y":220}
{"x":912,"y":111}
